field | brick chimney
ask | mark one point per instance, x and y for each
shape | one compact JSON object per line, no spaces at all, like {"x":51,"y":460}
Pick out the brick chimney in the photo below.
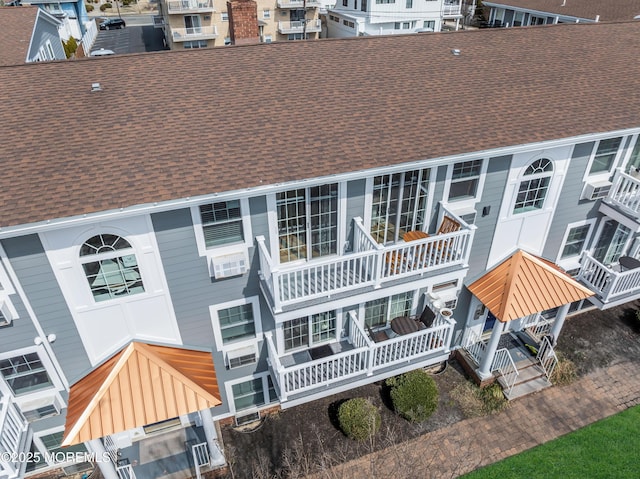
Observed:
{"x":243,"y":22}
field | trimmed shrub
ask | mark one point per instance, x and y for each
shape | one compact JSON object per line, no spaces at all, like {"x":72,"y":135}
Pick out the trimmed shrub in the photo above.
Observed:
{"x":414,"y":395}
{"x":126,"y":3}
{"x":89,"y":8}
{"x":359,"y":419}
{"x":104,"y":6}
{"x":70,"y":47}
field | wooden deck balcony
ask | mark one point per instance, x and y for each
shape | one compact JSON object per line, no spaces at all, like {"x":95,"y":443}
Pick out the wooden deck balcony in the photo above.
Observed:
{"x":13,"y":439}
{"x":370,"y":265}
{"x":358,"y":358}
{"x":613,"y":284}
{"x":624,"y":194}
{"x":189,"y":6}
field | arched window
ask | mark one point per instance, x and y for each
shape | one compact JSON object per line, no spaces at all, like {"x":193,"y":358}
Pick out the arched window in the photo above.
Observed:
{"x":110,"y":266}
{"x":534,"y":186}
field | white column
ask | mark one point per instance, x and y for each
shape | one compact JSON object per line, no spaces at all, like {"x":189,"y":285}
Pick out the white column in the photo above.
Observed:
{"x":485,"y":365}
{"x":215,"y":451}
{"x":557,"y":324}
{"x":107,"y":468}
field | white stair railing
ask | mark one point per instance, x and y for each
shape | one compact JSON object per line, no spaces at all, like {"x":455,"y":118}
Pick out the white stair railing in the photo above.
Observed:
{"x":126,"y":472}
{"x":547,"y":357}
{"x":503,"y":363}
{"x":474,"y":346}
{"x":200,"y":457}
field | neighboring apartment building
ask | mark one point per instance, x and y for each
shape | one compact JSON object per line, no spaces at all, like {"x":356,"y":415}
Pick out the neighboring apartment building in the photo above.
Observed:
{"x":211,"y":256}
{"x":28,"y":34}
{"x":207,"y":23}
{"x":351,"y":18}
{"x":516,"y":13}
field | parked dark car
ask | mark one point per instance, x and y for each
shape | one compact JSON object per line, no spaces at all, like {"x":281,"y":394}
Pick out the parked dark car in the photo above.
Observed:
{"x":111,"y":23}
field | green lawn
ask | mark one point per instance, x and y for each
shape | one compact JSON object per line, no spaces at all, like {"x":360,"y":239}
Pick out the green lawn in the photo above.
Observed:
{"x":606,"y":449}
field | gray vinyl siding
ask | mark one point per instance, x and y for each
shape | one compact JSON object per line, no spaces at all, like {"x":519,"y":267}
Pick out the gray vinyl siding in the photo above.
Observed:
{"x":438,"y":192}
{"x":43,"y":31}
{"x":36,"y":277}
{"x":21,"y":331}
{"x":493,"y":192}
{"x":193,"y":290}
{"x":356,"y":192}
{"x":571,"y":208}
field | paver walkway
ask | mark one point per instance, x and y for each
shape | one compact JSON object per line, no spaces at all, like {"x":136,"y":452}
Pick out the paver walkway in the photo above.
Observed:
{"x":529,"y":421}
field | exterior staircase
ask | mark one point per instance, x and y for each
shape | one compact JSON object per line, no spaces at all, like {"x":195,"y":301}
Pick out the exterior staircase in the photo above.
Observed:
{"x":531,"y":378}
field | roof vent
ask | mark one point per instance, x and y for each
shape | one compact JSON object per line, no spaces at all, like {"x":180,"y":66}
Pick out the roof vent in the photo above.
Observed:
{"x":455,"y":51}
{"x":96,"y":87}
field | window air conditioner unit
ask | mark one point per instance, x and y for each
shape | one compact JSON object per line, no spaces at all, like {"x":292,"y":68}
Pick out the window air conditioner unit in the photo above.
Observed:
{"x":451,"y":304}
{"x":45,"y":407}
{"x":596,"y":190}
{"x":230,"y":265}
{"x":247,"y":418}
{"x":242,"y":356}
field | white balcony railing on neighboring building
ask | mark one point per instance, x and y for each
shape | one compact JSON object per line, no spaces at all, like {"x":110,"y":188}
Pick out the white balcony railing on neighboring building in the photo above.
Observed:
{"x":625,"y":193}
{"x":365,"y":359}
{"x":89,"y":37}
{"x":370,"y":264}
{"x":194,"y":33}
{"x":190,"y":6}
{"x":608,"y":284}
{"x":312,"y":26}
{"x":451,"y":9}
{"x":13,"y":439}
{"x":298,"y":4}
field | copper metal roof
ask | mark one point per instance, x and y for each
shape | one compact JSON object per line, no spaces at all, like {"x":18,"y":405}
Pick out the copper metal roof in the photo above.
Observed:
{"x":142,"y":384}
{"x":524,"y":284}
{"x":607,"y":10}
{"x":178,"y":124}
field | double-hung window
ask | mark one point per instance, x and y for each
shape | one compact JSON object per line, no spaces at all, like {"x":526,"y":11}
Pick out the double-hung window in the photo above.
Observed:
{"x":25,"y":373}
{"x":110,"y":266}
{"x":575,"y":242}
{"x":465,"y":180}
{"x":237,"y":323}
{"x":222,"y":223}
{"x":605,"y":155}
{"x":534,"y":186}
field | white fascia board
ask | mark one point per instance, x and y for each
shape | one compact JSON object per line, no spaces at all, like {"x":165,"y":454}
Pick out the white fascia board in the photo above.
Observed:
{"x":536,"y":12}
{"x":162,"y":206}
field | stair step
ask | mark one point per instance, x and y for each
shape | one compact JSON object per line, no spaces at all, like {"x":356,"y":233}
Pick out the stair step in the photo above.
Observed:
{"x":526,"y":388}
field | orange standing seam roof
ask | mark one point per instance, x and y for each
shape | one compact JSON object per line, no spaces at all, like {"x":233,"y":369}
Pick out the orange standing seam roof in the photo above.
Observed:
{"x":141,"y":384}
{"x":525,"y":284}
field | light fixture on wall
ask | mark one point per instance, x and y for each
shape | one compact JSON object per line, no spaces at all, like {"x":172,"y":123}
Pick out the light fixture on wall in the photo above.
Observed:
{"x":486,"y":210}
{"x":50,"y":338}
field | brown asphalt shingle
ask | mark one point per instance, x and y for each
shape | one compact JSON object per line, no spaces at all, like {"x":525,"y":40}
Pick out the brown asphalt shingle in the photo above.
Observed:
{"x":607,"y":10}
{"x":16,"y":28}
{"x":171,"y":125}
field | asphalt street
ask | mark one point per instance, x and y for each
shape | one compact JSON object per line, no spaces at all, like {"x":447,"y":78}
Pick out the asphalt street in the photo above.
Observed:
{"x":131,"y":39}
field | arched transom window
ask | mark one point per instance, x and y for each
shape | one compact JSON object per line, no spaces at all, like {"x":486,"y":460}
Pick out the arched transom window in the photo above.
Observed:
{"x":534,"y":186}
{"x":110,"y":266}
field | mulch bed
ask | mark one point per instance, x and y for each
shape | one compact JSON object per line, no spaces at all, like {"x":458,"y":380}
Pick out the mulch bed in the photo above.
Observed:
{"x":301,"y":440}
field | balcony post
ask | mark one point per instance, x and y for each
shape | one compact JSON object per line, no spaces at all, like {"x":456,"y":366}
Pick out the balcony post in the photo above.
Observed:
{"x":557,"y":324}
{"x":484,"y":371}
{"x":107,"y":468}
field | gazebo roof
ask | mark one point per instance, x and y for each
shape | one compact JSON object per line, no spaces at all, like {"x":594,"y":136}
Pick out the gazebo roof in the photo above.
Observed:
{"x":524,"y":284}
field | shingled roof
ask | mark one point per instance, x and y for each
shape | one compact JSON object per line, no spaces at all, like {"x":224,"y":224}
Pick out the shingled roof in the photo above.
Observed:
{"x":606,"y":10}
{"x":171,"y":125}
{"x":16,"y":30}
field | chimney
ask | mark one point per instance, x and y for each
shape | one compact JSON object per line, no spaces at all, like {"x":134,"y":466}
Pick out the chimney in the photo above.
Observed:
{"x":243,"y":22}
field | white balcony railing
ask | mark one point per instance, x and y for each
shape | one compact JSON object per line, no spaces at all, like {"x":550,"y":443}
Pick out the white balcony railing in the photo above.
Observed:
{"x":606,"y":282}
{"x":13,"y":433}
{"x":312,"y":26}
{"x":190,"y":6}
{"x":366,"y":359}
{"x":194,"y":33}
{"x":370,"y":264}
{"x":625,"y":193}
{"x":298,"y":4}
{"x":451,"y":9}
